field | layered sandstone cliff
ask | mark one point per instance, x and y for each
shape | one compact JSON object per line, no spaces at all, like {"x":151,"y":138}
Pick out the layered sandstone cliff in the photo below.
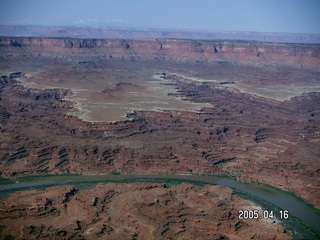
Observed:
{"x":240,"y":52}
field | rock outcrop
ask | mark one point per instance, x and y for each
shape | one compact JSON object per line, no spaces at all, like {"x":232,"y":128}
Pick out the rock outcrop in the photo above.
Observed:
{"x":246,"y":135}
{"x":132,"y":211}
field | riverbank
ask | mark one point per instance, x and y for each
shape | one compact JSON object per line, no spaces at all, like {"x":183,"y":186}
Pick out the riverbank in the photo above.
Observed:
{"x":132,"y":210}
{"x":303,"y":220}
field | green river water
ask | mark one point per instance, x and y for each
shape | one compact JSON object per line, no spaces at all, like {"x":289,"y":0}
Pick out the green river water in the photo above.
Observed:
{"x":303,"y":221}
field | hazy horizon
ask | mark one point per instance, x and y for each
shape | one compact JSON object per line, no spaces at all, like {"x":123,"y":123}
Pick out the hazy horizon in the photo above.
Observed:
{"x":278,"y":16}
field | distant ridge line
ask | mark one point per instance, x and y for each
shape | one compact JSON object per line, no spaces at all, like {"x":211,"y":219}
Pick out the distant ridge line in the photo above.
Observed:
{"x":126,"y":33}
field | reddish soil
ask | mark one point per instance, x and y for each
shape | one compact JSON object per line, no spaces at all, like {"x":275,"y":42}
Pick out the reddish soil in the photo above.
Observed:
{"x":132,"y":211}
{"x":247,"y":133}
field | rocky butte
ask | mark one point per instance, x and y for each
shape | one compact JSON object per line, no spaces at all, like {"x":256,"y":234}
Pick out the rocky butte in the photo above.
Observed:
{"x":257,"y":118}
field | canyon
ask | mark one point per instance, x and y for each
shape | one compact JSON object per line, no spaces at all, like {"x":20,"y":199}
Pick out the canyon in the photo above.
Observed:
{"x":244,"y":108}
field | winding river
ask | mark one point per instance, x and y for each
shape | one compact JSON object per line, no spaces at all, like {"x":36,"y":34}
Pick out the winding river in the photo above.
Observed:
{"x":303,"y":221}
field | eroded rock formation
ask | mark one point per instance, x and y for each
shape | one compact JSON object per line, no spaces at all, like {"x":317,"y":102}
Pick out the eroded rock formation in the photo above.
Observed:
{"x":132,"y":211}
{"x":254,"y":53}
{"x":251,"y":137}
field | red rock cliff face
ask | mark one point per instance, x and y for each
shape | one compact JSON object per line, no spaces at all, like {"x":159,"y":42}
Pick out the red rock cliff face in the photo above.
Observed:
{"x":253,"y":138}
{"x":297,"y":55}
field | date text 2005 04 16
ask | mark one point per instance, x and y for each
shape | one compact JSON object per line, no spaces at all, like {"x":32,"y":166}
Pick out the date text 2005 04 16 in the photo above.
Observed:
{"x":266,"y":214}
